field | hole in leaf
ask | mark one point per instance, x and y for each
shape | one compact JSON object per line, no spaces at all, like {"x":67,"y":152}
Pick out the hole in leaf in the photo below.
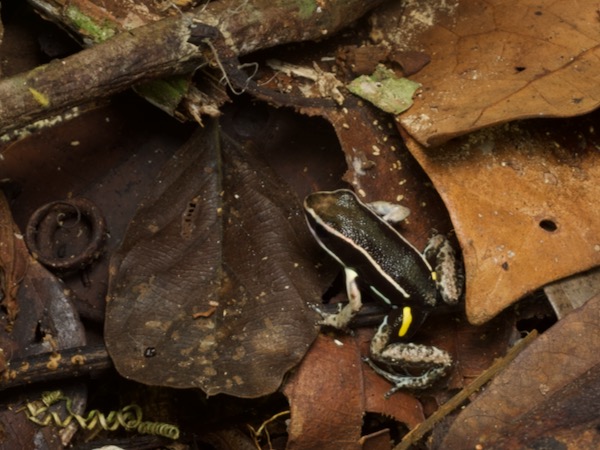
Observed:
{"x":40,"y":332}
{"x":188,"y":218}
{"x":548,"y":225}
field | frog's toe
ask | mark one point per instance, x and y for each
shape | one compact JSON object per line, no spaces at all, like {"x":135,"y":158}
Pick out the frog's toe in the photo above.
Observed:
{"x":329,"y":319}
{"x":315,"y":308}
{"x":407,"y":381}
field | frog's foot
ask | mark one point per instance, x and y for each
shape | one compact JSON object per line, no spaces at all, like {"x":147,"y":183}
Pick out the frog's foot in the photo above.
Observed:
{"x":342,"y":318}
{"x":406,"y":381}
{"x":334,"y":320}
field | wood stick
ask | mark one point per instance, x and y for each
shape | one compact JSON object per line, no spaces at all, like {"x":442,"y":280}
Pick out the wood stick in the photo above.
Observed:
{"x":62,"y":364}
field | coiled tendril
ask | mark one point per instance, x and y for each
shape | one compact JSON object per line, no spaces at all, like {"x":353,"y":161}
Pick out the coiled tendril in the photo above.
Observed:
{"x":129,"y":417}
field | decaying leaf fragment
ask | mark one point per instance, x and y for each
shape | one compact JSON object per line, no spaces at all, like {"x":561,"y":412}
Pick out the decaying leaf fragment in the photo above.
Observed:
{"x":385,"y":90}
{"x":570,"y":293}
{"x":324,"y":84}
{"x":219,"y":232}
{"x":13,"y":260}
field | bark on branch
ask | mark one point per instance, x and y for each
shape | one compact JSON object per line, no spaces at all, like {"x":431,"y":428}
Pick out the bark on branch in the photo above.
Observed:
{"x":97,"y":72}
{"x":161,"y":49}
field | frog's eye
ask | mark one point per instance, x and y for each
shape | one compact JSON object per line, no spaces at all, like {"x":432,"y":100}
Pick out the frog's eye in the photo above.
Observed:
{"x":434,"y":275}
{"x":406,"y":321}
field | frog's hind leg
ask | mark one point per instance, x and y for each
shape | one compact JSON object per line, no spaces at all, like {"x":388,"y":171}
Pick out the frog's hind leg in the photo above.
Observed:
{"x":342,"y":318}
{"x":433,"y":361}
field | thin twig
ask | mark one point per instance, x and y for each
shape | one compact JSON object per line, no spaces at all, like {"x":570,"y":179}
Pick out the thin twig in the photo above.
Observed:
{"x":57,"y":365}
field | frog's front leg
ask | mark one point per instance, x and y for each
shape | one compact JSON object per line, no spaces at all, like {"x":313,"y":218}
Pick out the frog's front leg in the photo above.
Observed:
{"x":342,"y":318}
{"x":432,"y":360}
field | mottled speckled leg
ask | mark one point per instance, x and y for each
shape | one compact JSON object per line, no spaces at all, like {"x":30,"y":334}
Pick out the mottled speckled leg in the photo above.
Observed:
{"x":449,"y":271}
{"x":406,"y":355}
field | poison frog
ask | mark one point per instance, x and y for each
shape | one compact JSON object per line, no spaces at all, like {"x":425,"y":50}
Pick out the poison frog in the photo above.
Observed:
{"x":378,"y":260}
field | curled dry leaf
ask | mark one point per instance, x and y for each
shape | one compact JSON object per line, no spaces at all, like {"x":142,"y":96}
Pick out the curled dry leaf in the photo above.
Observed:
{"x":13,"y":260}
{"x":550,"y":387}
{"x":521,"y":199}
{"x":495,"y":61}
{"x":218,"y":231}
{"x":47,"y":321}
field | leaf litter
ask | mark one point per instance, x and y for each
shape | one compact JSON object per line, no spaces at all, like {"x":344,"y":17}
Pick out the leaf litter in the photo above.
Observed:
{"x":499,"y":186}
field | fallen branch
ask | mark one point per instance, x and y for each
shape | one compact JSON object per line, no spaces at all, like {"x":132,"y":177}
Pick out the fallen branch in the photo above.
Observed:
{"x":160,"y":49}
{"x":98,"y":72}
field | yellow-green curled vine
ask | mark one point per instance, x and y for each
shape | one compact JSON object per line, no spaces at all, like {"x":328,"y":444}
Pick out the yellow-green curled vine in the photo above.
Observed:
{"x":129,"y":417}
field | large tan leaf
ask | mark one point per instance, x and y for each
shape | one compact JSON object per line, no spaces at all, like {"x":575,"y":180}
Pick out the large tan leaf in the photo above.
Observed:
{"x":495,"y":61}
{"x":521,"y":198}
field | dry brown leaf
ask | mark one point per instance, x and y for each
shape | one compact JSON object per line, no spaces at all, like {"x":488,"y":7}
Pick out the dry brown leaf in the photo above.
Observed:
{"x":325,"y":404}
{"x":521,"y":199}
{"x":47,"y":321}
{"x":549,"y":387}
{"x":219,"y":229}
{"x":380,"y":169}
{"x":331,"y":391}
{"x":495,"y":61}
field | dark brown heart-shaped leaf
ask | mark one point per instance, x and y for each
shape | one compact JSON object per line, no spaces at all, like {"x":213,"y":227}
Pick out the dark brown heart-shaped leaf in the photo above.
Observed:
{"x":209,"y":288}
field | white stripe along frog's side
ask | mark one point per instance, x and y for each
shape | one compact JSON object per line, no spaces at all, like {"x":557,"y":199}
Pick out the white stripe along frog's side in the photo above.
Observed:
{"x":377,"y":258}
